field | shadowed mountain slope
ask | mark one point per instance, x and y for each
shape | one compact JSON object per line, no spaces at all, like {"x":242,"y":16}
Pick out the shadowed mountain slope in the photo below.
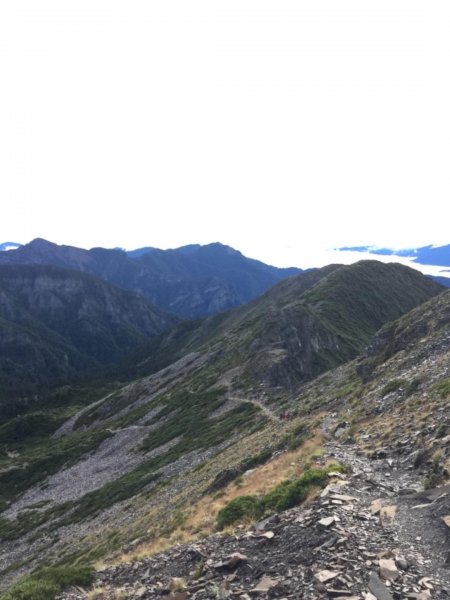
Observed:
{"x":56,"y":323}
{"x":191,"y":282}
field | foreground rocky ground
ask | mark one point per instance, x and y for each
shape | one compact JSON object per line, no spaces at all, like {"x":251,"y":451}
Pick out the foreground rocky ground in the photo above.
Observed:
{"x":372,"y":534}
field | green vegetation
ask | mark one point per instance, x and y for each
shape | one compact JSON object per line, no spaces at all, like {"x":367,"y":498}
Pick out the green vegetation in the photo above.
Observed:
{"x":436,"y":474}
{"x":242,"y":507}
{"x":287,"y":494}
{"x":443,"y":388}
{"x":256,"y":460}
{"x":393,"y":386}
{"x":32,"y":426}
{"x":38,"y":461}
{"x":46,"y":582}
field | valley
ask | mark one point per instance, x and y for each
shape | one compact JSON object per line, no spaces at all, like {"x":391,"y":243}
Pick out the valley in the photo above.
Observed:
{"x":343,"y":369}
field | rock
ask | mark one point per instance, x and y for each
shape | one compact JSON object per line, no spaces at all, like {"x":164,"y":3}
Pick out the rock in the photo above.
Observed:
{"x":378,"y":589}
{"x":446,"y":520}
{"x":327,"y":522}
{"x":378,"y":454}
{"x":325,"y":575}
{"x":343,"y":497}
{"x":425,"y":582}
{"x":265,"y":584}
{"x":266,"y":534}
{"x":401,"y":563}
{"x":387,"y":515}
{"x":376,"y":506}
{"x":425,"y":595}
{"x":336,"y":474}
{"x":420,"y":458}
{"x":231,"y":562}
{"x":388,"y":570}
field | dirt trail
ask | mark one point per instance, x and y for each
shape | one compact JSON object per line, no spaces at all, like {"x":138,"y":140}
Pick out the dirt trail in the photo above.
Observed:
{"x":334,"y":547}
{"x":270,"y":414}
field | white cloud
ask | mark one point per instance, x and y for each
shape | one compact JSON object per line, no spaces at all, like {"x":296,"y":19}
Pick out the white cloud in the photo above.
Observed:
{"x":280,"y":129}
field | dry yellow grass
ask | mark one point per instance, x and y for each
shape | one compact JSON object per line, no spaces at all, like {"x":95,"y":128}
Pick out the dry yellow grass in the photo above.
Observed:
{"x":200,"y":518}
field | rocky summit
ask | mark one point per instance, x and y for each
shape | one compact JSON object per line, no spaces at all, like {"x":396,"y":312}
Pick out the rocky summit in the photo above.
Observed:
{"x":294,"y":447}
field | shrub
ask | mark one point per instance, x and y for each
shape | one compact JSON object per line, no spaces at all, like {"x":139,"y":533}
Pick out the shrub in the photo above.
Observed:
{"x":238,"y":509}
{"x":46,"y":582}
{"x":287,"y":494}
{"x":443,"y":388}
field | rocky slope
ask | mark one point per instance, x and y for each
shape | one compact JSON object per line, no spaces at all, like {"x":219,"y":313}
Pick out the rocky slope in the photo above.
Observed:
{"x":369,"y":535}
{"x":303,"y":326}
{"x":158,"y":458}
{"x":191,"y":281}
{"x":373,"y":532}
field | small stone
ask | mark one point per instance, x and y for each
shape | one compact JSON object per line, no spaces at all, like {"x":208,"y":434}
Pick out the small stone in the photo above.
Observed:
{"x":327,"y":521}
{"x":325,"y":575}
{"x":401,"y":563}
{"x":336,"y":474}
{"x":446,"y":520}
{"x":425,"y":582}
{"x":388,"y":570}
{"x":267,"y":534}
{"x":378,"y":589}
{"x":387,"y":515}
{"x":343,"y":497}
{"x":265,"y":584}
{"x":231,"y":561}
{"x":376,"y":506}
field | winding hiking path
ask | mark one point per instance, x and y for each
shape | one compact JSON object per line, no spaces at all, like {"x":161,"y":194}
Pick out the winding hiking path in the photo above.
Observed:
{"x":264,"y":409}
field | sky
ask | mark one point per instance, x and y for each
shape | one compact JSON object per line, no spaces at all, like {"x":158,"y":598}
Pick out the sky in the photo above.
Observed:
{"x":284,"y":129}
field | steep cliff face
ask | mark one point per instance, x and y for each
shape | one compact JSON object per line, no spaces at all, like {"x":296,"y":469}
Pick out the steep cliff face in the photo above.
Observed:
{"x":192,"y":281}
{"x":55,"y":323}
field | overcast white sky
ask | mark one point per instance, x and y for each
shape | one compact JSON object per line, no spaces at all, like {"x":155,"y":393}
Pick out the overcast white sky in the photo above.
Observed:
{"x":282,"y":128}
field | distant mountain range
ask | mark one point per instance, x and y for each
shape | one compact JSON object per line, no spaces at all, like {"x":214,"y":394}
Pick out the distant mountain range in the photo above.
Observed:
{"x":191,"y":281}
{"x":117,"y":417}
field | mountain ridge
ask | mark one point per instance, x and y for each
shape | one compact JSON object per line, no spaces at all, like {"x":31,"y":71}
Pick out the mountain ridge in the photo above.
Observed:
{"x":261,"y":387}
{"x":190,"y":283}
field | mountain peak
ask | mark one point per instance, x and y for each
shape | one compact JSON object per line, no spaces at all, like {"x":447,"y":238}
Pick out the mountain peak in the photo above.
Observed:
{"x":41,"y":243}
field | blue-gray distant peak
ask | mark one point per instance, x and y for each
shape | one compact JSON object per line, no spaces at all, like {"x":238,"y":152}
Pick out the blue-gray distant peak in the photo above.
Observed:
{"x":191,"y":281}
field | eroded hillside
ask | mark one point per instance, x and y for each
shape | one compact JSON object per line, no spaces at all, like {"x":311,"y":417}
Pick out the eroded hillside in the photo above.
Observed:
{"x":158,"y":458}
